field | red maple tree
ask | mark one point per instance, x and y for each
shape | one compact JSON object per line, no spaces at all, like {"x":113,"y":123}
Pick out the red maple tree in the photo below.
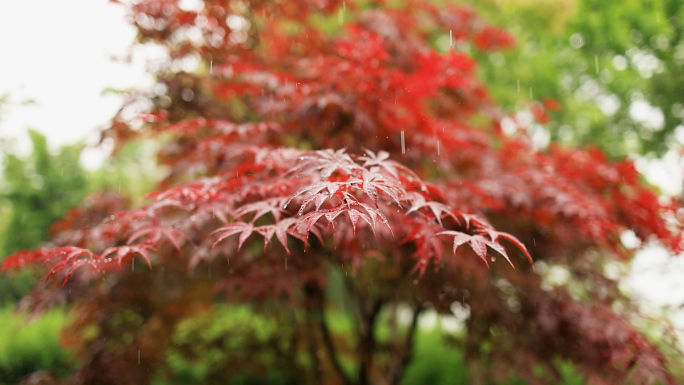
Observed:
{"x":301,"y":150}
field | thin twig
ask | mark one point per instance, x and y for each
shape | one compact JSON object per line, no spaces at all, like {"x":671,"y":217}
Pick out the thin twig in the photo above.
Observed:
{"x":405,"y":354}
{"x":366,"y":346}
{"x":315,"y":294}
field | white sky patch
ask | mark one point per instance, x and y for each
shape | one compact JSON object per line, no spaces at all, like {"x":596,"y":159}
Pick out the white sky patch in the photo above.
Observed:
{"x":667,"y":172}
{"x":58,"y":53}
{"x":191,"y":5}
{"x":508,"y":126}
{"x":651,"y":117}
{"x":609,"y":104}
{"x":656,"y":282}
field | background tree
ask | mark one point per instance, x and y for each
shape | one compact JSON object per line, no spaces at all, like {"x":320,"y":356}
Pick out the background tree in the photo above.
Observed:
{"x":615,"y":68}
{"x":37,"y":190}
{"x":278,"y":132}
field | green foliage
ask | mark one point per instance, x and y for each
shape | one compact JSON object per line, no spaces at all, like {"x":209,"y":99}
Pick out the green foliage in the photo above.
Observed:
{"x":209,"y":348}
{"x":28,"y":345}
{"x":36,"y":191}
{"x":40,"y":188}
{"x":435,"y":362}
{"x":131,"y":172}
{"x":597,"y":58}
{"x":204,"y":343}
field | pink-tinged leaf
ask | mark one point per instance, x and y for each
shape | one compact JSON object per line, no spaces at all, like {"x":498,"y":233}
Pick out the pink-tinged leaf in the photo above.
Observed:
{"x":23,"y":258}
{"x":318,"y":192}
{"x":154,"y":235}
{"x":376,"y":215}
{"x":332,"y":215}
{"x":354,"y":216}
{"x":459,"y":238}
{"x":245,"y":230}
{"x":518,"y":244}
{"x":71,"y":252}
{"x":501,"y":250}
{"x":477,"y":243}
{"x":123,"y":251}
{"x":75,"y":265}
{"x":311,"y":218}
{"x":371,"y":191}
{"x":279,"y":229}
{"x":324,"y":163}
{"x":391,"y":187}
{"x":57,"y":267}
{"x":437,"y":209}
{"x":382,"y":161}
{"x":282,"y":229}
{"x":273,"y":206}
{"x":379,"y":160}
{"x":70,"y":256}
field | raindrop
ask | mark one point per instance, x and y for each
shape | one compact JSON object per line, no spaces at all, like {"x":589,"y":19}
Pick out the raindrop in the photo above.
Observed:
{"x":132,"y":265}
{"x":138,"y":356}
{"x":576,"y":41}
{"x":493,"y":258}
{"x":403,"y":143}
{"x":211,"y":66}
{"x":415,"y":281}
{"x":438,"y":148}
{"x":187,"y":94}
{"x":451,"y":38}
{"x":284,"y":206}
{"x":518,"y":85}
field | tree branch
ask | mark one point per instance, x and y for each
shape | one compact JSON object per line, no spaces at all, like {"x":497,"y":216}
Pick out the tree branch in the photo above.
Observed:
{"x":316,"y":300}
{"x":405,"y":355}
{"x":366,"y":346}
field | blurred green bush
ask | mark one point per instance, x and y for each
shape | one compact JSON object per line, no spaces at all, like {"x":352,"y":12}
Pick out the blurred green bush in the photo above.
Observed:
{"x":29,"y":345}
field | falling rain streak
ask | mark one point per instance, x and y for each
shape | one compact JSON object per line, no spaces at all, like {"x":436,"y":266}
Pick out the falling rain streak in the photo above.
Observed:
{"x":211,"y":66}
{"x":596,"y":63}
{"x":403,"y":143}
{"x":518,"y":85}
{"x":451,"y":38}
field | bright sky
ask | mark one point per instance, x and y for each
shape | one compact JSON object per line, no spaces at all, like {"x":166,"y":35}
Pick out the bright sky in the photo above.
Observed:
{"x":58,"y":53}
